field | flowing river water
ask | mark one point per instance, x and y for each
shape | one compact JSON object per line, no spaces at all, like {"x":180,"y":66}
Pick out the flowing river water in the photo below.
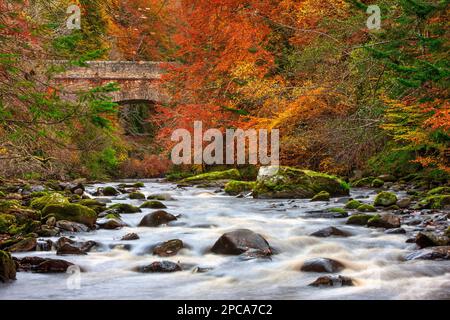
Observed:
{"x":373,"y":258}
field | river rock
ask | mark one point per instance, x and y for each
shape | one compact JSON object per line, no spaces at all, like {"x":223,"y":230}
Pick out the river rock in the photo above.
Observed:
{"x":111,"y":224}
{"x":137,"y":196}
{"x":330,"y":231}
{"x":359,"y":219}
{"x":71,"y":226}
{"x":168,"y":248}
{"x":322,"y":265}
{"x":68,"y":249}
{"x":239,"y":241}
{"x":385,"y":199}
{"x":156,"y":218}
{"x":66,"y":246}
{"x":387,"y":221}
{"x":154,"y":204}
{"x":7,"y":267}
{"x":44,"y":245}
{"x":28,"y":244}
{"x":161,"y":266}
{"x":428,"y":239}
{"x":395,"y":231}
{"x":332,"y":281}
{"x":288,"y":182}
{"x":130,"y":236}
{"x":125,"y":208}
{"x":404,"y":203}
{"x":160,"y":197}
{"x":434,"y":253}
{"x":43,"y":265}
{"x":321,"y":196}
{"x":71,"y":212}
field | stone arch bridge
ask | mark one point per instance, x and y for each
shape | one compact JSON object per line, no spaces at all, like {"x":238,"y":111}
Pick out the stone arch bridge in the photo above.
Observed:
{"x":138,"y":81}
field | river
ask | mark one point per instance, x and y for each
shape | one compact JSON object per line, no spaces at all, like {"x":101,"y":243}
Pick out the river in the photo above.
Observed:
{"x":374,"y":259}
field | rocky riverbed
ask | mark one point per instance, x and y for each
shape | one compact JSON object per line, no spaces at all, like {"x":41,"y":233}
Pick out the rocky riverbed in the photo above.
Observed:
{"x":162,"y":240}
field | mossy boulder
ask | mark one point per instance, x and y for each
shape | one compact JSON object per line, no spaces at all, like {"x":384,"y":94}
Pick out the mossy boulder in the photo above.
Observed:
{"x":236,"y":187}
{"x":71,"y":212}
{"x":109,"y":191}
{"x":353,"y":204}
{"x":7,"y":267}
{"x":364,"y":182}
{"x":321,"y":196}
{"x":338,"y":212}
{"x":93,"y":204}
{"x":232,"y":174}
{"x":52,"y":198}
{"x":7,"y":222}
{"x":377,"y":183}
{"x":359,"y":219}
{"x":366,"y":208}
{"x":7,"y":205}
{"x":125,"y":208}
{"x":439,"y":191}
{"x":385,"y":199}
{"x":137,"y":196}
{"x":154,"y":204}
{"x":288,"y":182}
{"x":436,"y":202}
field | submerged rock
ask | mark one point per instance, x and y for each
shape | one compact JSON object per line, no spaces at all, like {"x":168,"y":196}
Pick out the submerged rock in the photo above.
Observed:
{"x":434,"y":253}
{"x":168,"y":248}
{"x":332,"y":281}
{"x":288,"y":182}
{"x":161,"y":266}
{"x":7,"y":267}
{"x":156,"y":218}
{"x":322,"y":265}
{"x":239,"y":241}
{"x":428,"y":239}
{"x":330,"y":231}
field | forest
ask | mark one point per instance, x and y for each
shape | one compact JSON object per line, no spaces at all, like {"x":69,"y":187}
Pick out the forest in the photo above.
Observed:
{"x":358,"y":91}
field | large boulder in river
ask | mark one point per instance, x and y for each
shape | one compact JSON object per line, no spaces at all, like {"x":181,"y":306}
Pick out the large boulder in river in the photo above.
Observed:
{"x":428,"y":239}
{"x":387,"y":221}
{"x":330,"y":231}
{"x":385,"y":199}
{"x":168,"y":248}
{"x":240,"y":241}
{"x":322,"y":265}
{"x":71,"y":212}
{"x":49,"y":199}
{"x":7,"y":267}
{"x":43,"y":265}
{"x":156,"y":218}
{"x":232,"y":174}
{"x":287,"y":182}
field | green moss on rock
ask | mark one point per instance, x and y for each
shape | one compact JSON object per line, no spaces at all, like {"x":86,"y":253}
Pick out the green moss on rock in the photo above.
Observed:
{"x":154,"y":204}
{"x":377,"y":183}
{"x":439,"y":191}
{"x":7,"y":267}
{"x":353,"y":204}
{"x":6,"y":205}
{"x":288,"y":182}
{"x":236,"y":187}
{"x":385,"y":199}
{"x":232,"y":174}
{"x":52,"y":198}
{"x":359,"y":219}
{"x":435,"y":202}
{"x":7,"y":221}
{"x":366,"y":208}
{"x":364,"y":182}
{"x":125,"y":208}
{"x":71,"y":212}
{"x":93,"y":204}
{"x":321,"y":196}
{"x":137,"y":196}
{"x":110,"y":192}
